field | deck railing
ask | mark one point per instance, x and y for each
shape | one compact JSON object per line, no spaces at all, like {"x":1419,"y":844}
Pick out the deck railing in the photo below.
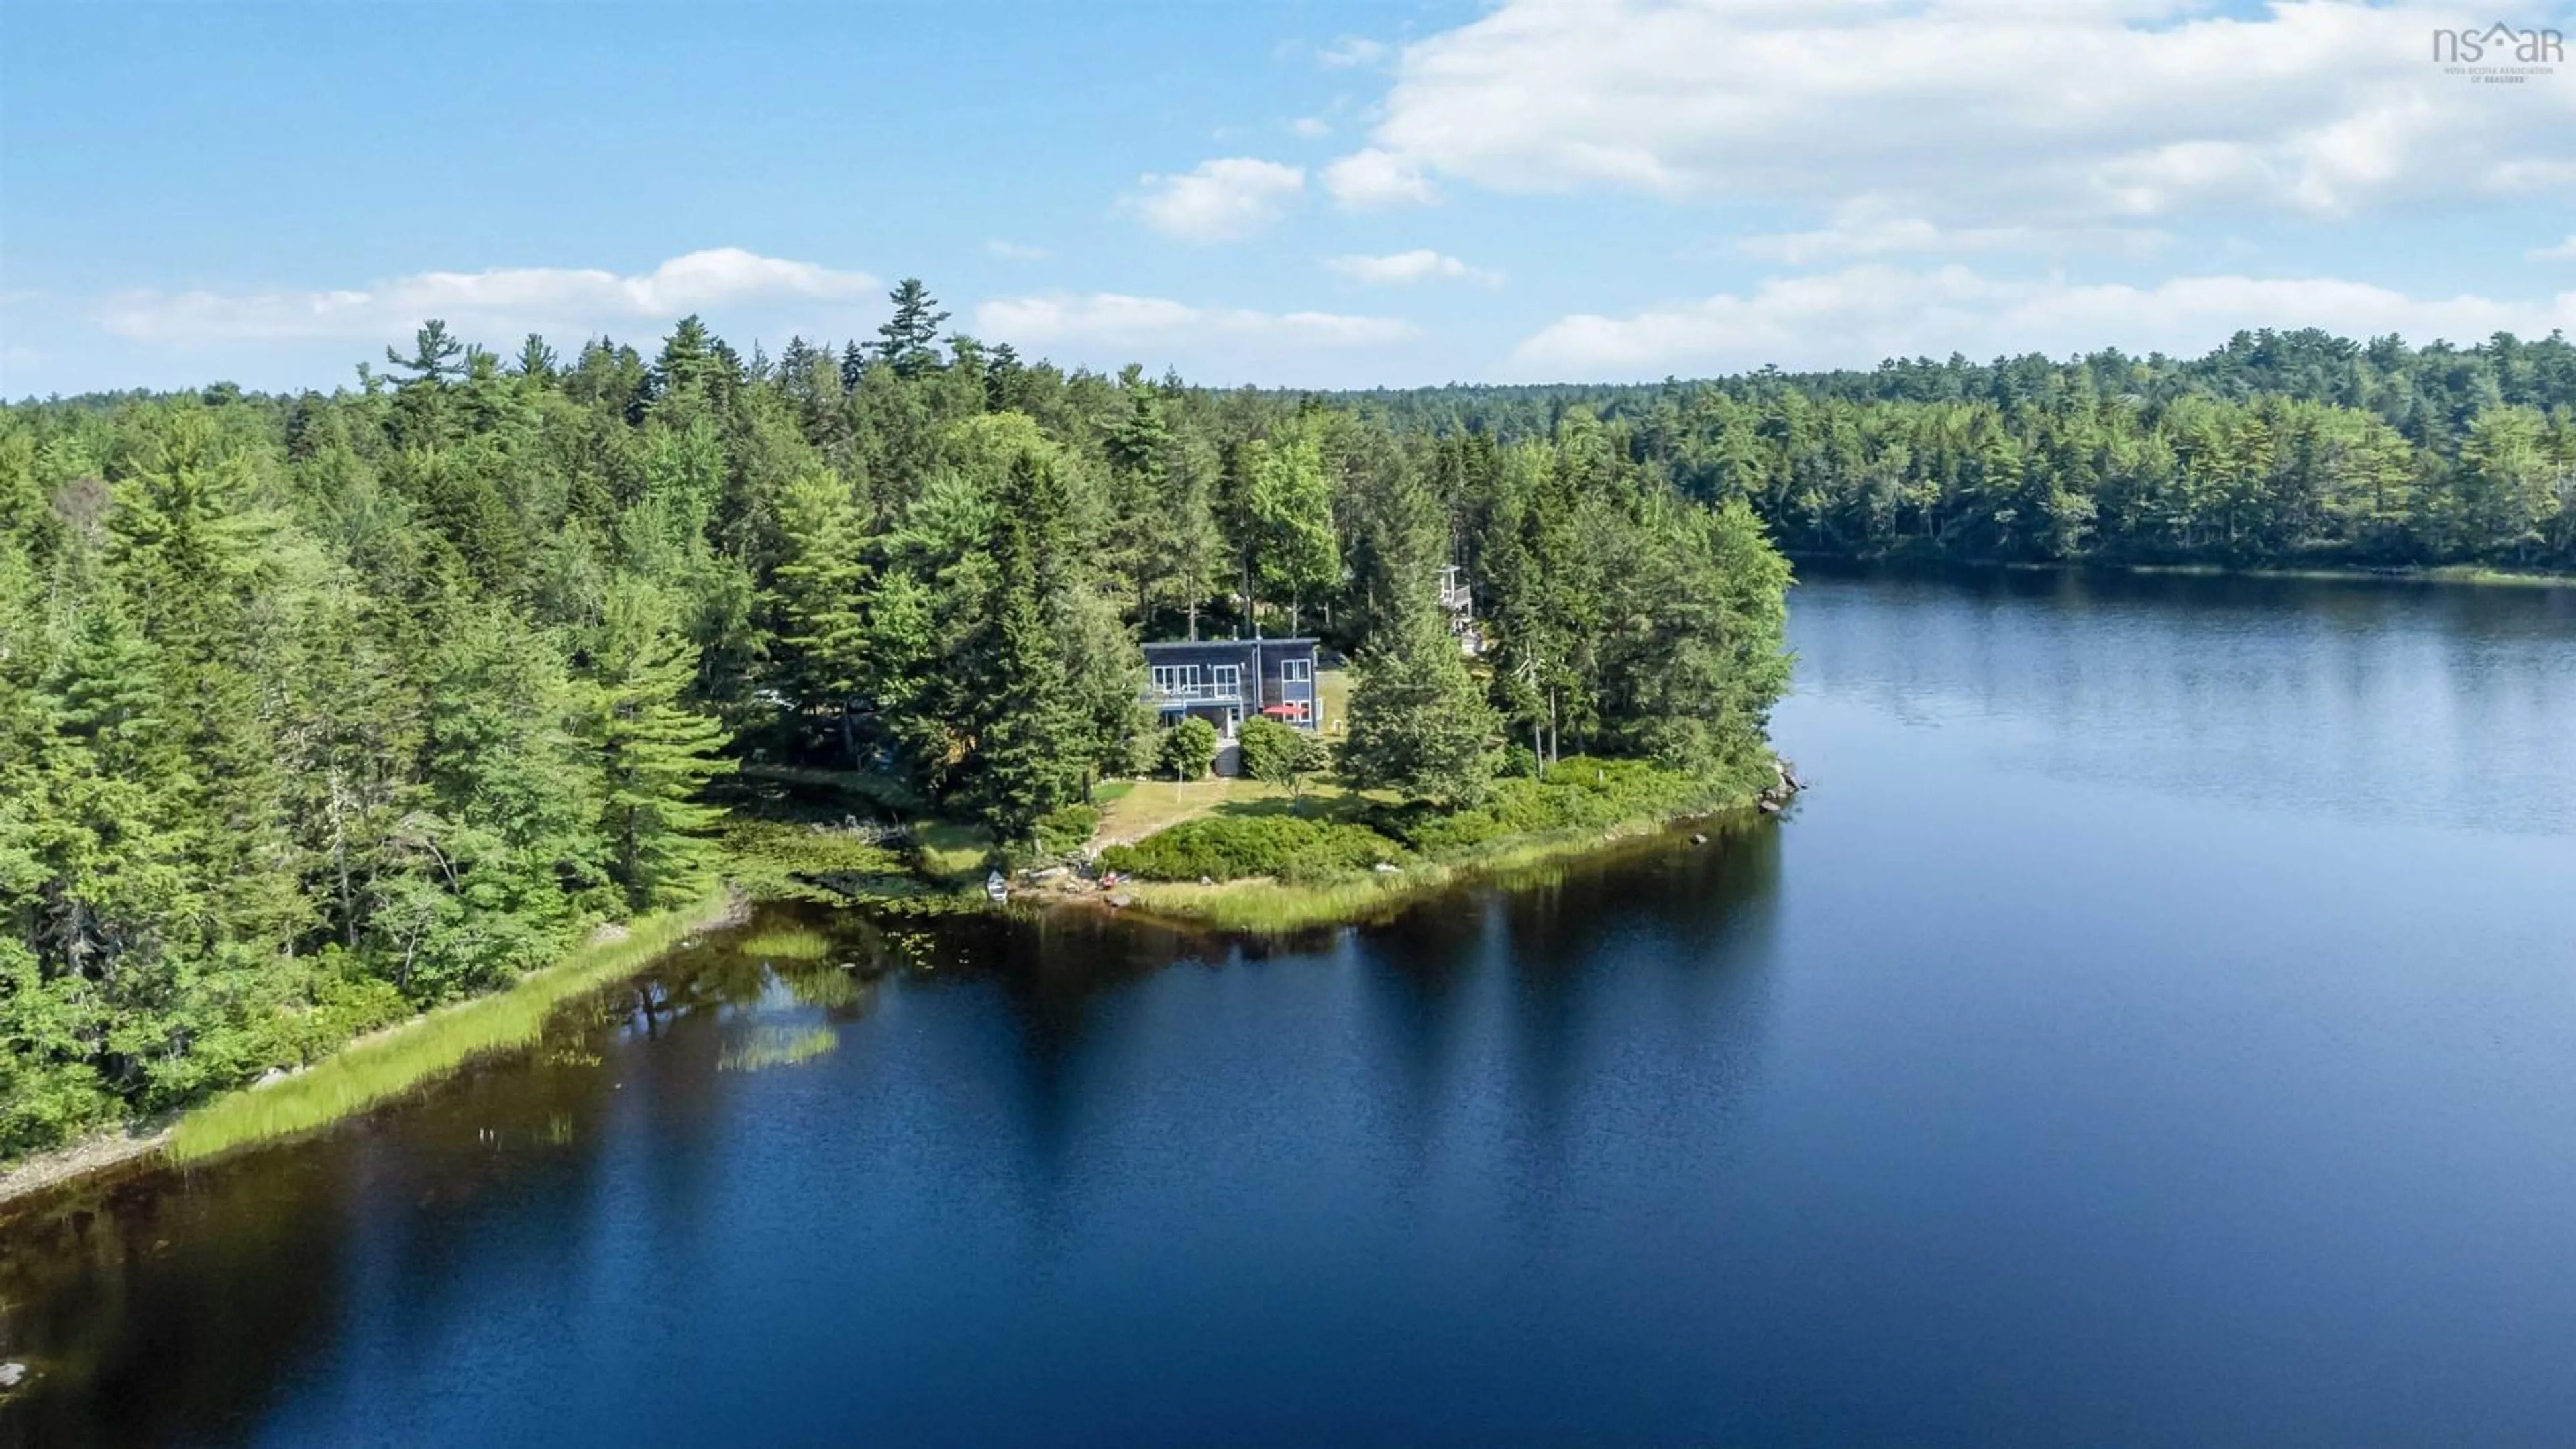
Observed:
{"x":1199,"y":693}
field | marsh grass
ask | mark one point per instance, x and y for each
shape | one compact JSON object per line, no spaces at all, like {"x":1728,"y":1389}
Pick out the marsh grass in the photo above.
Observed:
{"x":380,"y":1067}
{"x":787,"y":943}
{"x":777,"y":1046}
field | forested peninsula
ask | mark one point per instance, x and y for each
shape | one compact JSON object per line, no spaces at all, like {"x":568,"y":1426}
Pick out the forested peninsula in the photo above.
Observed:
{"x":318,"y":711}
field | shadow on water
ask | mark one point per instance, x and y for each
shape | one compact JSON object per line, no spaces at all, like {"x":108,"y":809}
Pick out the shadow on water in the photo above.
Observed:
{"x":1656,"y":938}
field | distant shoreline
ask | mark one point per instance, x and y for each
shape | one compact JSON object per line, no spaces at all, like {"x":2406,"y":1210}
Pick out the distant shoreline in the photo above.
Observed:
{"x":2480,"y":575}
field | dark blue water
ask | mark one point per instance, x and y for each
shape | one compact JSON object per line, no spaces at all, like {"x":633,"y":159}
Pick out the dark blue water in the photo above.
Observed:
{"x":2156,"y":1026}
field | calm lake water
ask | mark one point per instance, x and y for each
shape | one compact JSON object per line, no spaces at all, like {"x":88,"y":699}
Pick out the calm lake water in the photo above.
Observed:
{"x":2157,"y":1025}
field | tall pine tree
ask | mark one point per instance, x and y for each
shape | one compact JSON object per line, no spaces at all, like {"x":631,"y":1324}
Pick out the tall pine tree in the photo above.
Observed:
{"x":654,"y":752}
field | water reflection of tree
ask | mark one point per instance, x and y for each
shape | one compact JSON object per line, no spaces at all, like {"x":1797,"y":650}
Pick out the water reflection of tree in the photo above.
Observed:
{"x":167,"y":1304}
{"x":605,"y":1157}
{"x":1528,"y":996}
{"x":167,"y":1301}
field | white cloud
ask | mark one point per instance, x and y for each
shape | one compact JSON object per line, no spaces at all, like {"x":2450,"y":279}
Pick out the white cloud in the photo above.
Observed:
{"x":1365,"y":180}
{"x":1862,"y":229}
{"x":1969,"y":113}
{"x":1116,"y":318}
{"x":501,"y":300}
{"x":1011,"y":251}
{"x":2563,"y":252}
{"x":1311,"y":127}
{"x":1351,"y":52}
{"x":1222,"y":200}
{"x":1856,"y":317}
{"x":1422,"y":264}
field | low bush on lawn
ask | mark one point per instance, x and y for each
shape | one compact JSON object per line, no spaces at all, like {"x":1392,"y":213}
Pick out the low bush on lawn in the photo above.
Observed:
{"x":1232,"y":847}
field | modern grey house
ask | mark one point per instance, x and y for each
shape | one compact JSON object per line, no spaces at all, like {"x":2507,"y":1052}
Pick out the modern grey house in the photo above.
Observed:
{"x":1227,"y":681}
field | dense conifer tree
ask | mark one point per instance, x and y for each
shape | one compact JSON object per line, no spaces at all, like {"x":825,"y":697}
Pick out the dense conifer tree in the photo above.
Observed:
{"x":1419,"y":725}
{"x":653,"y":751}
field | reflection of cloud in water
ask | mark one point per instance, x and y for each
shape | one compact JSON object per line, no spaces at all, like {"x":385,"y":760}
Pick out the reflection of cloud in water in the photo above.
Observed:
{"x":2420,"y":704}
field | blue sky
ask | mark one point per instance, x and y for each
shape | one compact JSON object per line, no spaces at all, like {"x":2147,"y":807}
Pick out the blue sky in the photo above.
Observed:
{"x":1316,"y":194}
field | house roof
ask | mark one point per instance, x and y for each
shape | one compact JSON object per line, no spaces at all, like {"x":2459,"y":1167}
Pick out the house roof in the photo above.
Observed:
{"x":1228,"y":643}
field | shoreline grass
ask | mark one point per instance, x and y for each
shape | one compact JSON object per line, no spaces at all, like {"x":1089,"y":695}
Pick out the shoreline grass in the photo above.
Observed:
{"x":1267,"y":906}
{"x":950,"y":853}
{"x":389,"y":1063}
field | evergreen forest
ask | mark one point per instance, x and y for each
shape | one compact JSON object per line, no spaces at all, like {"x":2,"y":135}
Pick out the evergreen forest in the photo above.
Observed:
{"x":320,"y":710}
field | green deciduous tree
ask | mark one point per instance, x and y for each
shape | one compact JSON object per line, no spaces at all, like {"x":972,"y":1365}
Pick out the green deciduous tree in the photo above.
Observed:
{"x":1188,"y":749}
{"x":1288,"y":541}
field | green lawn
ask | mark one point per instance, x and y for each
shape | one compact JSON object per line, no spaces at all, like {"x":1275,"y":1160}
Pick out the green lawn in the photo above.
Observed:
{"x":1151,"y":805}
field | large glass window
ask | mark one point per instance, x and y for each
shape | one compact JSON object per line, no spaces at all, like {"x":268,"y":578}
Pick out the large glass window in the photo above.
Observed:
{"x":1296,"y":671}
{"x":1224,"y":679}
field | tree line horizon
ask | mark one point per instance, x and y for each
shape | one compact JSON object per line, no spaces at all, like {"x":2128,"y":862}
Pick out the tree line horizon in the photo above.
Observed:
{"x":2275,"y":448}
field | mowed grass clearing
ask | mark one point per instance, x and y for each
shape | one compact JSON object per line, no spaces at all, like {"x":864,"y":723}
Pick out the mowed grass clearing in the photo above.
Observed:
{"x":1160,"y":804}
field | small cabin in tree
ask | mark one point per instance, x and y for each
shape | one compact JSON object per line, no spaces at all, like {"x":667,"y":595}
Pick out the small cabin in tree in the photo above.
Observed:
{"x":1227,"y":681}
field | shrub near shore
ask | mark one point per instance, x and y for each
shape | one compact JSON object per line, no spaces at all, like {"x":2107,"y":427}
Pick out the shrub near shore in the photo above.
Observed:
{"x":1525,"y":824}
{"x":1351,"y":836}
{"x":1237,"y":847}
{"x":1578,"y":793}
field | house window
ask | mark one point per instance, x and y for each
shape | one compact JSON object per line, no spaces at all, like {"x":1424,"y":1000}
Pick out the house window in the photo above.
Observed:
{"x":1296,"y":671}
{"x":1175,"y":678}
{"x":1225,"y":679}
